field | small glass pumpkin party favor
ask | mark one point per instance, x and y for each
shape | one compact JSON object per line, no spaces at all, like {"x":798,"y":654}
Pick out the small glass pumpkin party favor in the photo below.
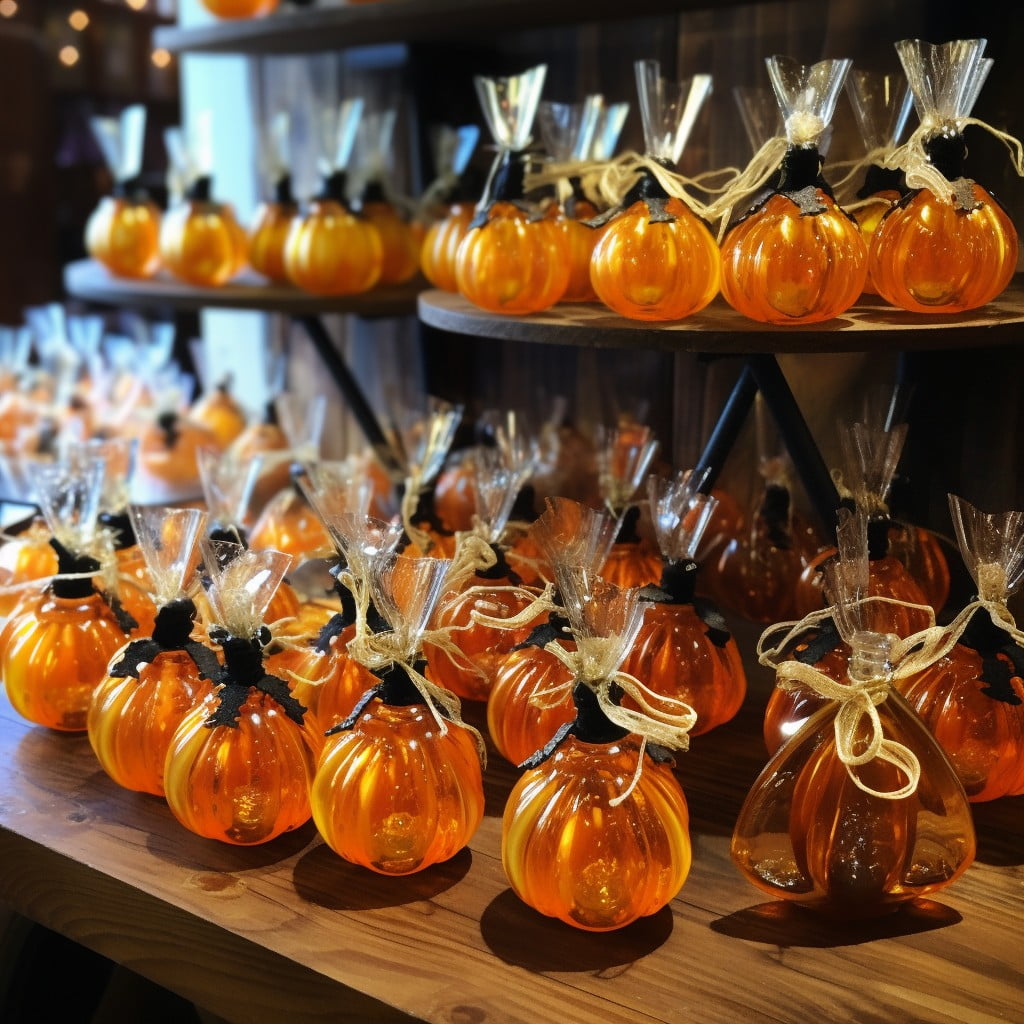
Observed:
{"x":859,"y":811}
{"x":399,"y":785}
{"x":123,"y":231}
{"x":331,"y":249}
{"x":27,"y":559}
{"x":972,"y":697}
{"x":684,"y":648}
{"x":240,"y":8}
{"x":513,"y":259}
{"x":881,"y":103}
{"x":380,"y":203}
{"x":948,"y":245}
{"x":169,"y":447}
{"x":532,"y":693}
{"x":657,"y":258}
{"x":56,"y":645}
{"x":624,"y":454}
{"x":446,"y":205}
{"x":219,"y":410}
{"x":154,"y":680}
{"x":596,"y":830}
{"x":201,"y":240}
{"x":268,"y":229}
{"x":484,"y":612}
{"x":238,"y":766}
{"x":796,"y":257}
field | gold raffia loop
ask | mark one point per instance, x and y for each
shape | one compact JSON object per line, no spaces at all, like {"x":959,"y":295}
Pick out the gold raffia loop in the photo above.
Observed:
{"x":873,"y":504}
{"x":410,"y":499}
{"x":551,"y":696}
{"x":540,"y":604}
{"x":764,"y":163}
{"x":473,"y":554}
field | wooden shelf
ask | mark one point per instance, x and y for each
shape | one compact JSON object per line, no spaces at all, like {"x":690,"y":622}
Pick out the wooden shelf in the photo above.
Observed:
{"x":289,"y":931}
{"x":719,"y":329}
{"x":89,"y":280}
{"x":313,"y":29}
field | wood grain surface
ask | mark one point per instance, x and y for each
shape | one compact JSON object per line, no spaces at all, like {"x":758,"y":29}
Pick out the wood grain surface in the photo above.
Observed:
{"x":289,"y":931}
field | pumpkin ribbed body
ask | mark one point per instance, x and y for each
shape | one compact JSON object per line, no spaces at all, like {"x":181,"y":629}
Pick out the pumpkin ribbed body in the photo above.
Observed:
{"x":512,"y":263}
{"x":288,"y":523}
{"x":518,"y":726}
{"x":131,"y":721}
{"x":674,"y":656}
{"x":23,"y":559}
{"x":580,"y":242}
{"x":781,"y":266}
{"x":807,"y":833}
{"x":932,"y":257}
{"x":869,"y":215}
{"x":400,"y":245}
{"x":267,"y":236}
{"x":53,"y":652}
{"x":202,"y":242}
{"x":124,"y":235}
{"x":656,"y":270}
{"x":171,"y":456}
{"x":982,"y":735}
{"x":570,"y":854}
{"x":331,"y":251}
{"x":221,"y":414}
{"x":441,"y":243}
{"x":243,"y":784}
{"x":632,"y":564}
{"x":396,"y":795}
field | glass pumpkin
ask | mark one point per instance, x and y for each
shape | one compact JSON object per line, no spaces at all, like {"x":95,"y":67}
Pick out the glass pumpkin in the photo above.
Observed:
{"x":440,"y":244}
{"x":54,"y":650}
{"x":240,"y":8}
{"x":395,"y":794}
{"x":580,"y":242}
{"x":202,"y":243}
{"x":243,"y":784}
{"x":220,"y":412}
{"x":400,"y":245}
{"x":169,"y":450}
{"x":949,"y":246}
{"x":124,"y":235}
{"x":514,"y":263}
{"x":288,"y":523}
{"x":266,"y":238}
{"x":571,"y":854}
{"x":923,"y":557}
{"x":131,"y":720}
{"x":25,"y":557}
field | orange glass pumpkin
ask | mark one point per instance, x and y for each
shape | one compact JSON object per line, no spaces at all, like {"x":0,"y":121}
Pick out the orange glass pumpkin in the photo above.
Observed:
{"x":242,"y":783}
{"x":332,"y":251}
{"x":684,"y":651}
{"x":875,"y":206}
{"x":56,"y":646}
{"x":124,"y":235}
{"x":393,"y":792}
{"x":923,"y":557}
{"x":633,"y":563}
{"x":201,"y":241}
{"x":809,"y":834}
{"x":25,"y":557}
{"x":454,"y":498}
{"x":142,"y":700}
{"x":440,"y":244}
{"x":240,"y":8}
{"x":569,"y":852}
{"x":219,"y":411}
{"x":656,"y":261}
{"x":288,"y":523}
{"x":514,"y":262}
{"x":580,"y":242}
{"x":400,"y":245}
{"x":267,"y":236}
{"x":168,"y":450}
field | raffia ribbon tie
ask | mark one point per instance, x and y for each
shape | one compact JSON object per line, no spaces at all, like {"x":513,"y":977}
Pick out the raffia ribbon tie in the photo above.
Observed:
{"x":872,"y":503}
{"x":657,"y":719}
{"x":763,"y":165}
{"x":539,"y":604}
{"x":410,"y":499}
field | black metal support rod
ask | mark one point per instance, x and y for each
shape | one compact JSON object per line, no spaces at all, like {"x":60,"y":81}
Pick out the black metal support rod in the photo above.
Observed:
{"x":807,"y":460}
{"x":342,"y":375}
{"x":727,"y":429}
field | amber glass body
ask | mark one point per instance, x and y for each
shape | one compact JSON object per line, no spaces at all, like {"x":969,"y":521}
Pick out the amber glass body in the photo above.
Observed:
{"x":780,"y":266}
{"x":663,"y":270}
{"x":633,"y":564}
{"x":124,"y":235}
{"x":455,"y":497}
{"x":932,"y":257}
{"x":266,"y":238}
{"x":221,"y":414}
{"x":922,"y":556}
{"x":674,"y":656}
{"x":288,"y":523}
{"x":53,"y":652}
{"x":240,"y":8}
{"x":469,"y":670}
{"x":874,"y":209}
{"x":131,"y":721}
{"x":441,"y":243}
{"x":806,"y":833}
{"x":400,"y":243}
{"x":519,"y":727}
{"x":580,"y":242}
{"x":202,"y":243}
{"x":983,"y":737}
{"x":512,"y":264}
{"x":172,"y":457}
{"x":332,"y":251}
{"x":24,"y":558}
{"x":243,"y":784}
{"x":396,"y":795}
{"x":570,"y":854}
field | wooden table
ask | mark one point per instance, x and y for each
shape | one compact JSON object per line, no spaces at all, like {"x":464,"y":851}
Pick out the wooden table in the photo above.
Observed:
{"x":289,"y":932}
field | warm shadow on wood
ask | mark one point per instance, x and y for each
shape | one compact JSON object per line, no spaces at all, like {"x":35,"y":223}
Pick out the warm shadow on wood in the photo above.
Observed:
{"x":519,"y":935}
{"x":327,"y":880}
{"x":786,"y":925}
{"x":1000,"y":828}
{"x":199,"y":854}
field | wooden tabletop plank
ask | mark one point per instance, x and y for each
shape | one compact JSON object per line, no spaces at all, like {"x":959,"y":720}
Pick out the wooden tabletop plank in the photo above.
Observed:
{"x":292,"y":921}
